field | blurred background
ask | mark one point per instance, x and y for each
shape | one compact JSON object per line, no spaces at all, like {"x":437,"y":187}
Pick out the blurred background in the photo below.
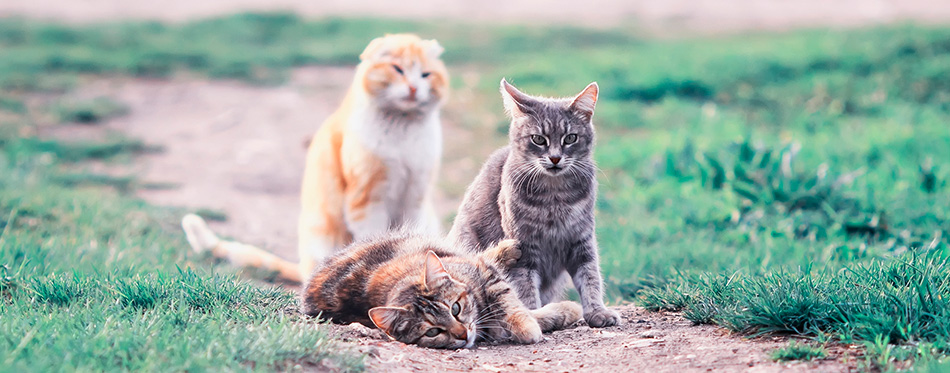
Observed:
{"x":746,"y":137}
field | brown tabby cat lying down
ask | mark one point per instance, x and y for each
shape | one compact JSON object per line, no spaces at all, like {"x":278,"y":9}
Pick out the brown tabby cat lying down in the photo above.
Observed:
{"x":420,"y":291}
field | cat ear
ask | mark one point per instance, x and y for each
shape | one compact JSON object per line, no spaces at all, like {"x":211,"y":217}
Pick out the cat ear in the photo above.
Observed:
{"x":376,"y":49}
{"x":435,"y":271}
{"x":433,"y":49}
{"x":584,"y":102}
{"x":516,"y":103}
{"x":385,"y":317}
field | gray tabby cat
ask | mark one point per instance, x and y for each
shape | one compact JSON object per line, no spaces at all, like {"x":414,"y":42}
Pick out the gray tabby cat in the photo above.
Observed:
{"x":540,"y":190}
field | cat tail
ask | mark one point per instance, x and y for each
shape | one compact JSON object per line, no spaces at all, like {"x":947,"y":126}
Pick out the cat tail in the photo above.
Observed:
{"x":557,"y":316}
{"x":202,"y":239}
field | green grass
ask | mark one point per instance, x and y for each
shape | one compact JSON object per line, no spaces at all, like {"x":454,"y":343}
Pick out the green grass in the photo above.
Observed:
{"x":790,"y":183}
{"x":798,"y":351}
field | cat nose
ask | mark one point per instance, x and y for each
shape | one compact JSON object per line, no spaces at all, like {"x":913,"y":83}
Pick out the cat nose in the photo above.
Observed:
{"x":460,"y":333}
{"x":412,"y":92}
{"x":554,"y":159}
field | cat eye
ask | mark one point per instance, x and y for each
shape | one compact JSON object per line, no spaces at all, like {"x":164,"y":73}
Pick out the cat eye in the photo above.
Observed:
{"x":570,"y":139}
{"x":539,"y":140}
{"x":398,"y":69}
{"x":432,"y":332}
{"x":426,"y":74}
{"x":456,"y":308}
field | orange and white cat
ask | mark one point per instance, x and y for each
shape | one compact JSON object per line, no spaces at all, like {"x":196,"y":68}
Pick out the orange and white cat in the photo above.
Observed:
{"x":370,"y":167}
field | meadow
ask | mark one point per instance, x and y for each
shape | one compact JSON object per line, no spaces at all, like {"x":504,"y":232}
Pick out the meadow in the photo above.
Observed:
{"x":790,"y":183}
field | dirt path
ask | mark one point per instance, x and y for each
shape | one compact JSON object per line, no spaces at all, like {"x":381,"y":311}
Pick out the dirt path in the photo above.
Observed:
{"x":646,"y":342}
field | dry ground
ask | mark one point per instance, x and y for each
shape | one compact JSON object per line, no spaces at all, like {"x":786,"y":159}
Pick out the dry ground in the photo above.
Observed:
{"x":645,"y":342}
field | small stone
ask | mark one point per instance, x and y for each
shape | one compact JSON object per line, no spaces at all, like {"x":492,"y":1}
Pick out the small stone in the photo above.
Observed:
{"x":651,"y":334}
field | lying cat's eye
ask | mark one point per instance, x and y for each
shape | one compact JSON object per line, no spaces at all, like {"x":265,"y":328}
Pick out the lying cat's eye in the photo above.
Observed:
{"x":456,"y":308}
{"x":426,"y":74}
{"x":539,"y":140}
{"x":570,"y":139}
{"x":398,"y":69}
{"x":433,"y":332}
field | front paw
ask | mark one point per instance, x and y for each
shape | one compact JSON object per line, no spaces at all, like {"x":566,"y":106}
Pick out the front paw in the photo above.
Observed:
{"x":524,"y":328}
{"x":602,"y":318}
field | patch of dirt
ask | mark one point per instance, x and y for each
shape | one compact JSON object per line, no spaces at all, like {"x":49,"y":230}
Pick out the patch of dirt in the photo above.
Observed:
{"x":645,"y":342}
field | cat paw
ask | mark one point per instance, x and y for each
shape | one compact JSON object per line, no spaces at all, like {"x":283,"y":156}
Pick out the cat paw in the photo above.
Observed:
{"x":524,"y":328}
{"x":602,"y":318}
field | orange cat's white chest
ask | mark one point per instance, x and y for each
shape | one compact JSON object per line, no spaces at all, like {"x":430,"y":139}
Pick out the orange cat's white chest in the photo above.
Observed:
{"x":407,"y":155}
{"x":416,"y":146}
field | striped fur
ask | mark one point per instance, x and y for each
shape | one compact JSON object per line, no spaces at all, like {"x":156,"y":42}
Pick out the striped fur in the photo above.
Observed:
{"x":540,"y":190}
{"x":407,"y":286}
{"x":371,"y":165}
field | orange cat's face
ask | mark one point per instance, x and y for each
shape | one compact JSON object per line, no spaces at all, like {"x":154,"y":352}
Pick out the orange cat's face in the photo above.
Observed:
{"x":404,"y":73}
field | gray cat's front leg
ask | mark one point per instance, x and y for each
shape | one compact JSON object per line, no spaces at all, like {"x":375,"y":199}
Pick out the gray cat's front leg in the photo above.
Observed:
{"x":526,"y":283}
{"x":590,"y":286}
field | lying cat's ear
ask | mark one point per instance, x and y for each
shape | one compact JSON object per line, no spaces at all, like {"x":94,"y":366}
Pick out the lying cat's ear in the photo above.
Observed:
{"x":516,"y":103}
{"x":435,"y":271}
{"x":584,"y":102}
{"x":385,"y":317}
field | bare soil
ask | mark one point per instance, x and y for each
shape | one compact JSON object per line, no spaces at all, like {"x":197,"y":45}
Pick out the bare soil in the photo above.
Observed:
{"x":645,"y":342}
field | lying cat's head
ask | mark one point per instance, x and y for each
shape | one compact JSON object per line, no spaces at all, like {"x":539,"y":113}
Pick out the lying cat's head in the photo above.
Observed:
{"x":403,"y":73}
{"x":438,"y":311}
{"x":550,"y":136}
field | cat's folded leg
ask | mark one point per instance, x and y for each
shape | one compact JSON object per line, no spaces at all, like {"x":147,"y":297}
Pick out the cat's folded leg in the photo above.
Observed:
{"x":557,"y":316}
{"x":505,"y":254}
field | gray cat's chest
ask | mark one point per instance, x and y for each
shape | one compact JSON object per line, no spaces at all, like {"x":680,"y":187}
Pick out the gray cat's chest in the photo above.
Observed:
{"x":547,"y":218}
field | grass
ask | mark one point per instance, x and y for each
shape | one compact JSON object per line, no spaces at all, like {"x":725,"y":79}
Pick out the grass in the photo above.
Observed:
{"x":798,"y":351}
{"x":790,"y":183}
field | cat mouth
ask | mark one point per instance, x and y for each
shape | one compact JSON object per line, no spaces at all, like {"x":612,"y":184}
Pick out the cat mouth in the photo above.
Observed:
{"x":554,"y":169}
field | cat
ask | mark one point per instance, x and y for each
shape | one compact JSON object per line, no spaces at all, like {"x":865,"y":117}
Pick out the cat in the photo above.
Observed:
{"x":418,"y":290}
{"x":370,"y":167}
{"x":540,"y":190}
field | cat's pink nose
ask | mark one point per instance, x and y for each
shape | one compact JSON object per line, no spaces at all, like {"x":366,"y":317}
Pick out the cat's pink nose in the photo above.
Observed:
{"x":555,"y":160}
{"x":460,"y":333}
{"x":412,"y":92}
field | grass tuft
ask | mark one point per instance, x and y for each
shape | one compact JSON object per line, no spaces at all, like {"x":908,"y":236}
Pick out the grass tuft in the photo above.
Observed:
{"x":798,"y":351}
